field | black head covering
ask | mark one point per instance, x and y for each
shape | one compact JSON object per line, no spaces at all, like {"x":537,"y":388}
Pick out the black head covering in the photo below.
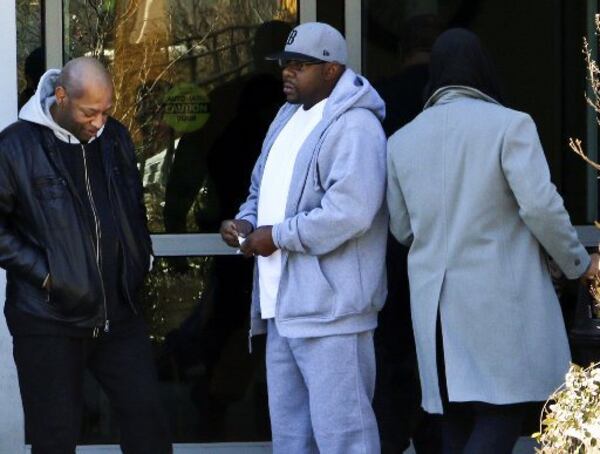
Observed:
{"x":458,"y":58}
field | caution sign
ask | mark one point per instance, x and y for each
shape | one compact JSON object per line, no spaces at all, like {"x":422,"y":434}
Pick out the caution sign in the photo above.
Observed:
{"x":187,"y":107}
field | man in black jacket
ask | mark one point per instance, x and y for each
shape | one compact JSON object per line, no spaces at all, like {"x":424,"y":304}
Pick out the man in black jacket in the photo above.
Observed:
{"x":74,"y":243}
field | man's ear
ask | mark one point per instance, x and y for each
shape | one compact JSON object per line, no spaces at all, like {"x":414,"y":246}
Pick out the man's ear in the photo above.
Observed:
{"x":61,"y":94}
{"x":333,"y":71}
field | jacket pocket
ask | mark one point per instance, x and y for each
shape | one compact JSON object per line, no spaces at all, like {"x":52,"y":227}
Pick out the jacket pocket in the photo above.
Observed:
{"x":304,"y":290}
{"x":344,"y":267}
{"x":52,"y":195}
{"x":74,"y":291}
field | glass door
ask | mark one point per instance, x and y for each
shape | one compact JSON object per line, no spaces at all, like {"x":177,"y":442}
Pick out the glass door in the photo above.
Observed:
{"x":537,"y":50}
{"x":197,"y":95}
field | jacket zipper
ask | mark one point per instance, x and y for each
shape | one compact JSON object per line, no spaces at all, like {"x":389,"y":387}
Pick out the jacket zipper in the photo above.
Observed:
{"x":88,"y":188}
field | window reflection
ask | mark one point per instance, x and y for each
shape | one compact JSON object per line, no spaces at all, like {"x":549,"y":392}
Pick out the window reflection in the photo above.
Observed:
{"x":541,"y":68}
{"x":198,"y":320}
{"x":193,"y":88}
{"x":213,"y":389}
{"x":31,"y":60}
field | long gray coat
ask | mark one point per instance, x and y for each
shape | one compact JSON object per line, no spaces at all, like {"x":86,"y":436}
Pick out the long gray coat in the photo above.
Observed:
{"x":469,"y":190}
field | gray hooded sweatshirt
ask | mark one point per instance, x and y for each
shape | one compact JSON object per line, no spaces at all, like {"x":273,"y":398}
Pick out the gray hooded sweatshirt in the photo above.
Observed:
{"x":333,"y":238}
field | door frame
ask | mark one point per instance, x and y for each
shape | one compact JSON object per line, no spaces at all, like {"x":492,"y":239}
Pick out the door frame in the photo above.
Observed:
{"x":12,"y":426}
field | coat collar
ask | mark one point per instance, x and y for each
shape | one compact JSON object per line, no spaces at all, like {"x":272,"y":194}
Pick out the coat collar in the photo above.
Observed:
{"x":450,"y":93}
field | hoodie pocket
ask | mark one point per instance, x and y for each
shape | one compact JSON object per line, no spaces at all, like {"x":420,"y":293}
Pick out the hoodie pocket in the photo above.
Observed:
{"x":305,"y":290}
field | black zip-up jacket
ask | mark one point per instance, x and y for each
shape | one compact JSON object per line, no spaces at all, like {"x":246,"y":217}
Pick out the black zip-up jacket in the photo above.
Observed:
{"x":44,"y":229}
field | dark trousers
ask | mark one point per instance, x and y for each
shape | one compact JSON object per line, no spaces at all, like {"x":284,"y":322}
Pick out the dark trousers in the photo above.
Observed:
{"x":397,"y":389}
{"x":51,"y":371}
{"x":476,"y":427}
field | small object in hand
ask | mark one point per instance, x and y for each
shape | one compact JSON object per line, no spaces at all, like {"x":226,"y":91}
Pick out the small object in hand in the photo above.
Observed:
{"x":241,"y":240}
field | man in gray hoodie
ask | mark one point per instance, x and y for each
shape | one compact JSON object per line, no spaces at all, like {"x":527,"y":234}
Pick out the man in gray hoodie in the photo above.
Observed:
{"x":316,"y":222}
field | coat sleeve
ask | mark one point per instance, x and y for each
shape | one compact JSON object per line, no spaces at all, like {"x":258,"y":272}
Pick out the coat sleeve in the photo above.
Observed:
{"x":540,"y":206}
{"x":16,"y":253}
{"x":399,"y":218}
{"x":352,"y":162}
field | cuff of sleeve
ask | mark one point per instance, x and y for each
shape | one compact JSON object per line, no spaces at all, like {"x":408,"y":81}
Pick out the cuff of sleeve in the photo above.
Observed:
{"x":585,"y":264}
{"x":249,"y":218}
{"x":275,"y":234}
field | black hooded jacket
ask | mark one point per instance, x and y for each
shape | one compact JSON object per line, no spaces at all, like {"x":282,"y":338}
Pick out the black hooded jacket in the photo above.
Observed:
{"x":458,"y":58}
{"x":44,"y":227}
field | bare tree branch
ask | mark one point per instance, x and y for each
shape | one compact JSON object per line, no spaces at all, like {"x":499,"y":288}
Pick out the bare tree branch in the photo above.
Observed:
{"x":593,"y":99}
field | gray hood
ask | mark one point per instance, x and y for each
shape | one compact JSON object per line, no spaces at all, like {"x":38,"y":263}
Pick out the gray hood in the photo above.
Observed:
{"x":353,"y":91}
{"x":37,"y":109}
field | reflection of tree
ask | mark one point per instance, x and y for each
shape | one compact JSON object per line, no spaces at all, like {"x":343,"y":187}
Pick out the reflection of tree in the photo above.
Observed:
{"x":147,"y":42}
{"x":168,"y":297}
{"x":29,"y":32}
{"x":131,"y":40}
{"x":91,"y":25}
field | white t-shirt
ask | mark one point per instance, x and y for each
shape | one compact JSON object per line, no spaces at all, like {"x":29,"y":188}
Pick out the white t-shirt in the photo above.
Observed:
{"x":274,"y":189}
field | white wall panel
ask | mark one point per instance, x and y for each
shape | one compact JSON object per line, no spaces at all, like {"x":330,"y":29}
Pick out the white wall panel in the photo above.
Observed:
{"x":12,"y":438}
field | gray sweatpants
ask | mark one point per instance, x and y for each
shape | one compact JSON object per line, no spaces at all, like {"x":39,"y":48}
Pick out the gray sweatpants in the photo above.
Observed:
{"x":320,"y":392}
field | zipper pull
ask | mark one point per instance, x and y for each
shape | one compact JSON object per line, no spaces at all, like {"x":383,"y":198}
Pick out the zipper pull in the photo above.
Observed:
{"x":250,"y":341}
{"x":106,"y":326}
{"x":95,"y":332}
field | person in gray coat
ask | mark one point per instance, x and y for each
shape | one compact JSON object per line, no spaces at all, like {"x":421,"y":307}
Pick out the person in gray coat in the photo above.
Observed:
{"x":469,"y":191}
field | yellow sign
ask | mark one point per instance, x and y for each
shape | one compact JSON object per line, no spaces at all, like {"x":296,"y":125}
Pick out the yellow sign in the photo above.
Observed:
{"x":187,"y":108}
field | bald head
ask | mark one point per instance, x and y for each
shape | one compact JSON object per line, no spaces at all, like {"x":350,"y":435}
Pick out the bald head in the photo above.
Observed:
{"x":83,"y":74}
{"x":84,"y":96}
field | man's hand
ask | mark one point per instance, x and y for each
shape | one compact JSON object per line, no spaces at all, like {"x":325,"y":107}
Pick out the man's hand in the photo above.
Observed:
{"x":259,"y":242}
{"x":594,"y":268}
{"x":232,"y":228}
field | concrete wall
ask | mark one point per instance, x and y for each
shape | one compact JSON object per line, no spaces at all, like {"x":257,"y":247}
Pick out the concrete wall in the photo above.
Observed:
{"x":12,"y":437}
